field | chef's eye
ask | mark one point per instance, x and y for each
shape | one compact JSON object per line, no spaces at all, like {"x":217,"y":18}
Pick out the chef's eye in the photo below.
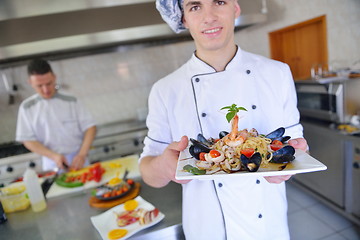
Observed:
{"x":220,"y":2}
{"x":194,"y":8}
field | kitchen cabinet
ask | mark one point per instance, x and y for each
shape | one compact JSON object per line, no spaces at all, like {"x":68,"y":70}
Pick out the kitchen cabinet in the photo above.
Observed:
{"x":354,"y":168}
{"x":339,"y":185}
{"x":327,"y":147}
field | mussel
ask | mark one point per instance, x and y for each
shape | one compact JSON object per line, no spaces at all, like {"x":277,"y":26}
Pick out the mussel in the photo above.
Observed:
{"x":203,"y":140}
{"x":276,"y":133}
{"x":223,"y":134}
{"x":251,"y":164}
{"x":283,"y":155}
{"x":197,"y":147}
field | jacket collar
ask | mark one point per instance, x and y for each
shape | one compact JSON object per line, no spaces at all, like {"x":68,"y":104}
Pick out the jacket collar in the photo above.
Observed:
{"x":200,"y":67}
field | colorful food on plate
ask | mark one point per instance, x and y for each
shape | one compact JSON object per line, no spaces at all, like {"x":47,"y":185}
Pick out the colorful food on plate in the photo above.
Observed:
{"x":79,"y":178}
{"x":244,"y":150}
{"x":114,"y":189}
{"x":117,"y":233}
{"x":135,"y":214}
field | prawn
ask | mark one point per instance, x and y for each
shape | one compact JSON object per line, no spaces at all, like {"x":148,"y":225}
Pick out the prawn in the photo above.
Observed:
{"x":235,"y":137}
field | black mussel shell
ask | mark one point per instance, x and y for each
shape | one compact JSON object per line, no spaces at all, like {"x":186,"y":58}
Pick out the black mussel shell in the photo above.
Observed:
{"x":197,"y":148}
{"x":223,"y":134}
{"x":283,"y":155}
{"x":282,"y":139}
{"x":277,"y":133}
{"x":251,"y":164}
{"x":202,"y":139}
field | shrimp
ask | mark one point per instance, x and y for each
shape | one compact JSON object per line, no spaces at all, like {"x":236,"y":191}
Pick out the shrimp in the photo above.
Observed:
{"x":235,"y":137}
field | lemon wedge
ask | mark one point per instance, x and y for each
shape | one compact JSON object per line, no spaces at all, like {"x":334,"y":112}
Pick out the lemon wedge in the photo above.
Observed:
{"x":114,"y":181}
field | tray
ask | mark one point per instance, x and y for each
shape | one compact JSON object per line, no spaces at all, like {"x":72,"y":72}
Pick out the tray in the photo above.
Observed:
{"x":106,"y":221}
{"x":302,"y":163}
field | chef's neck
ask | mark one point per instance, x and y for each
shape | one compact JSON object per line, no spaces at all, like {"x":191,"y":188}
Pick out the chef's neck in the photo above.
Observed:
{"x":218,"y":59}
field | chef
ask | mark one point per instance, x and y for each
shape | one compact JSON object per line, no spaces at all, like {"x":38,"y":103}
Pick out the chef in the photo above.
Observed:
{"x":53,"y":124}
{"x":188,"y":102}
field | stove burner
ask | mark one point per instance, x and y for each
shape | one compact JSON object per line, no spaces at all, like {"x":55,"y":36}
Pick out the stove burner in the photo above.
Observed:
{"x":12,"y":149}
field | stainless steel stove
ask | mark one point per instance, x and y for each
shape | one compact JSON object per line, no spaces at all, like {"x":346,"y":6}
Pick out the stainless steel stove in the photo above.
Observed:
{"x":113,"y":140}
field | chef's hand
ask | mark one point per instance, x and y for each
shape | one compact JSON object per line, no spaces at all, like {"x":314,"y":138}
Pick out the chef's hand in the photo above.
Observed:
{"x":59,"y":159}
{"x":298,"y":143}
{"x":158,"y":171}
{"x":170,"y":158}
{"x":78,"y":162}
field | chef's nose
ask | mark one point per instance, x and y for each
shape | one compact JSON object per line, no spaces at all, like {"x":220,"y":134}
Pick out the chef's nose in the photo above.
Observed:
{"x":209,"y":15}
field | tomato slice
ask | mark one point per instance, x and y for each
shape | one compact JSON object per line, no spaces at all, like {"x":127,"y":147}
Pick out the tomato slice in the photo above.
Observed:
{"x":248,"y":152}
{"x":214,"y":153}
{"x":202,"y":156}
{"x":276,"y":145}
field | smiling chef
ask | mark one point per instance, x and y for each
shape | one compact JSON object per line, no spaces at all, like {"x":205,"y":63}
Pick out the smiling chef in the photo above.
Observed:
{"x":53,"y":124}
{"x":187,"y":102}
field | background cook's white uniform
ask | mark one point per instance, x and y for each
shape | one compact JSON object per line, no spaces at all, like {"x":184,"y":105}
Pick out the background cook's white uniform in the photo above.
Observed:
{"x":188,"y":102}
{"x":58,"y":123}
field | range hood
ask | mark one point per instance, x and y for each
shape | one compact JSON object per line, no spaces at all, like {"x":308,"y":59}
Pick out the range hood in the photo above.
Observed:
{"x":31,"y":28}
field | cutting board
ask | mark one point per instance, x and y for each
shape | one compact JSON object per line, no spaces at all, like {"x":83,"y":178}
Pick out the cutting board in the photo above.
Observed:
{"x":97,"y":203}
{"x":112,"y":167}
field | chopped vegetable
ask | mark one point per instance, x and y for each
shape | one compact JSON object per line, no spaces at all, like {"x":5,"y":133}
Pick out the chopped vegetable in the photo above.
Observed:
{"x":194,"y":170}
{"x":276,"y":145}
{"x":202,"y":156}
{"x":214,"y":153}
{"x":248,"y":152}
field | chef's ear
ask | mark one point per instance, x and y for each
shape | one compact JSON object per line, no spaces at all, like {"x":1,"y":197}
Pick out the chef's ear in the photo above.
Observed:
{"x":237,"y":9}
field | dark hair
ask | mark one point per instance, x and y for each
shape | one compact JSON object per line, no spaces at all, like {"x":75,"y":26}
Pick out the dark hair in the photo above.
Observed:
{"x":38,"y":66}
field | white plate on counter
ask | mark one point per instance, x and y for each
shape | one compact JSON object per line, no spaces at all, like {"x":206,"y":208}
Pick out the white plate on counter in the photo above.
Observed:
{"x":302,"y":163}
{"x":106,"y":221}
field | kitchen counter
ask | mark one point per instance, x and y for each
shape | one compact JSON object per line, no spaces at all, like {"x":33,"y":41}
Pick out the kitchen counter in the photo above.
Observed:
{"x":68,"y":217}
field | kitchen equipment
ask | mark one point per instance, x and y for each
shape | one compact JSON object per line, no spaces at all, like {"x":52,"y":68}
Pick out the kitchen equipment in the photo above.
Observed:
{"x":333,"y":101}
{"x":34,"y":190}
{"x":13,"y":198}
{"x":113,"y":140}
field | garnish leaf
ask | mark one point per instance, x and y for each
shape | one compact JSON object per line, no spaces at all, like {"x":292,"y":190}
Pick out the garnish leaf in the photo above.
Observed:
{"x":193,"y":170}
{"x":232,"y":111}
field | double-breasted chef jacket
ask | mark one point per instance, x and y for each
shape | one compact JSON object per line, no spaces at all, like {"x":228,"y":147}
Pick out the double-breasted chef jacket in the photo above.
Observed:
{"x":188,"y":102}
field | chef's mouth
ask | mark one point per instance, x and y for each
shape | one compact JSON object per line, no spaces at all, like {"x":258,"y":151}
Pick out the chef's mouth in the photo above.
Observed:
{"x":212,"y":31}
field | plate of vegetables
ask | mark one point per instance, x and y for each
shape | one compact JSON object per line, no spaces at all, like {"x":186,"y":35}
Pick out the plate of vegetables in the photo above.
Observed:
{"x":115,"y":188}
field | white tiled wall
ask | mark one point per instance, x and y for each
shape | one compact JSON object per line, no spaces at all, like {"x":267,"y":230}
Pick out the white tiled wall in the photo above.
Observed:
{"x":113,"y":85}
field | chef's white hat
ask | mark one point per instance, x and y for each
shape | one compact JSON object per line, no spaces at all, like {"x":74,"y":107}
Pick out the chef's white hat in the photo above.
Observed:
{"x":171,"y":12}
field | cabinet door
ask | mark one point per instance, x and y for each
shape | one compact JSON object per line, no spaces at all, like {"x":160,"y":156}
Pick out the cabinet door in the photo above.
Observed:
{"x":356,"y":181}
{"x":326,"y":146}
{"x":301,"y":46}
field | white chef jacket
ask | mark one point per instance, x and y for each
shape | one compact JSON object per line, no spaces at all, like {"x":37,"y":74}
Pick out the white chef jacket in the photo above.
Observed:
{"x":188,"y":102}
{"x":58,"y":123}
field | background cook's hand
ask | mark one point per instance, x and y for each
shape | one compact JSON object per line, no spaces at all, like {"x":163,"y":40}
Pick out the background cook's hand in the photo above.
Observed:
{"x":78,"y":162}
{"x":170,"y":158}
{"x":299,"y":143}
{"x":59,"y":159}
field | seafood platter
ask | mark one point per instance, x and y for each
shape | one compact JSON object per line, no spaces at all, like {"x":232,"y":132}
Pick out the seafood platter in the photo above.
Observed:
{"x":124,"y":220}
{"x":244,"y":152}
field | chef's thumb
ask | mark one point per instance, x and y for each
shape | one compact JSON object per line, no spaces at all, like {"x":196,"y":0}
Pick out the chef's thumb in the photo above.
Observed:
{"x":182,"y":144}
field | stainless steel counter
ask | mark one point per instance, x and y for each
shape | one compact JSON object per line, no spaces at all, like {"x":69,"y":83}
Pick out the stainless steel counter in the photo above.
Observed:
{"x":68,"y":217}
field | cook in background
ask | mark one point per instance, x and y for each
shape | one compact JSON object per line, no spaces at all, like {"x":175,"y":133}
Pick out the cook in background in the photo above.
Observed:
{"x":53,"y":124}
{"x":188,"y":102}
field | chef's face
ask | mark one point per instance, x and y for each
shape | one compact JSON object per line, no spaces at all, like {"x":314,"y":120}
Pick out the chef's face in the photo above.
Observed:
{"x":44,"y":84}
{"x":211,"y":22}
